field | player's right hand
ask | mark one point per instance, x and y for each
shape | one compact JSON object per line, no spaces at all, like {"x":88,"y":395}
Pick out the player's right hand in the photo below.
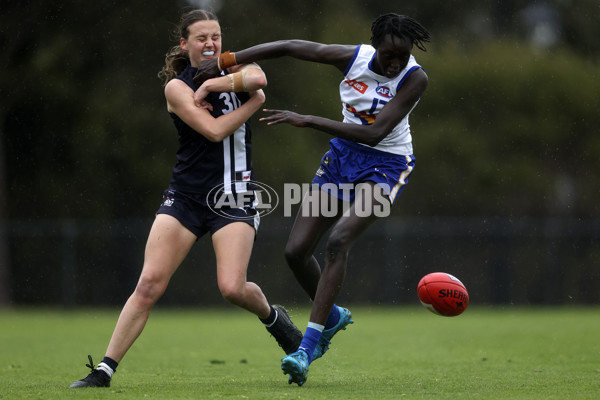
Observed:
{"x":284,"y":116}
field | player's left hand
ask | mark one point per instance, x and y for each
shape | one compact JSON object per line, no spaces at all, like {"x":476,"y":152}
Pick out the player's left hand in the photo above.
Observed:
{"x":205,"y":104}
{"x":284,"y":116}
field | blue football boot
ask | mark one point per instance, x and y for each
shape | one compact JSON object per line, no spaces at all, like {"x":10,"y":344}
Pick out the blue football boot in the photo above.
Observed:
{"x":325,"y":341}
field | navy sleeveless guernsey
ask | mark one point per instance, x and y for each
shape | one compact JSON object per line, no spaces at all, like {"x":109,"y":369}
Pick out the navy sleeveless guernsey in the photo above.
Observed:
{"x":203,"y":165}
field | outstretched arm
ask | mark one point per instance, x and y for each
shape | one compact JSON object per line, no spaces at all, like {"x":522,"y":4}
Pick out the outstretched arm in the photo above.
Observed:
{"x":390,"y":116}
{"x":333,"y":54}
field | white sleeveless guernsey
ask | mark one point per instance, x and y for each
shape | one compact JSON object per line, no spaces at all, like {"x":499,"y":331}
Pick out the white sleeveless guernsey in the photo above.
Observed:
{"x":364,"y":93}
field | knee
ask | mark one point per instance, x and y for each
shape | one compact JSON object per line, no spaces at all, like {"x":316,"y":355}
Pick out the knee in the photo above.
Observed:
{"x":338,"y":243}
{"x":295,"y":254}
{"x":232,"y":292}
{"x":148,"y":290}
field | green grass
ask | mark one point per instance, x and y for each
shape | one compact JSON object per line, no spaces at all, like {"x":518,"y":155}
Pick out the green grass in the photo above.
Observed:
{"x":388,"y":353}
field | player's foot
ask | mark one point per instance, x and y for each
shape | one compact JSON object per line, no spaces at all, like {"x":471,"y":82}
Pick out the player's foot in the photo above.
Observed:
{"x":96,"y":378}
{"x":296,"y":366}
{"x":325,"y":341}
{"x":288,"y":336}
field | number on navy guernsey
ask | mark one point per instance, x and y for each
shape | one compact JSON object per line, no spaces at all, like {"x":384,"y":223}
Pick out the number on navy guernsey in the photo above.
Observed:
{"x":232,"y":102}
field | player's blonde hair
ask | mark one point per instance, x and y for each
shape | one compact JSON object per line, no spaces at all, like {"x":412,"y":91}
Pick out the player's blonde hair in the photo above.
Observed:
{"x":177,"y":59}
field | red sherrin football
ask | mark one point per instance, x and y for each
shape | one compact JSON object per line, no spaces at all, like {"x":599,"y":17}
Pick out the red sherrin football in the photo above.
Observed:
{"x":443,"y":294}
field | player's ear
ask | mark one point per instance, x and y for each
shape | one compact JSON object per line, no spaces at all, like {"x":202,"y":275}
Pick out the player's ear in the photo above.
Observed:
{"x":183,"y":44}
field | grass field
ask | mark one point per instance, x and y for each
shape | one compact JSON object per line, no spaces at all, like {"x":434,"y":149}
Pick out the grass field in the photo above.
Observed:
{"x":388,"y":353}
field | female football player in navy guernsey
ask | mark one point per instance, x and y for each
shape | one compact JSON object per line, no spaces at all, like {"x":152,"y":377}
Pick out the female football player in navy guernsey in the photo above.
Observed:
{"x":372,"y":146}
{"x":214,"y":152}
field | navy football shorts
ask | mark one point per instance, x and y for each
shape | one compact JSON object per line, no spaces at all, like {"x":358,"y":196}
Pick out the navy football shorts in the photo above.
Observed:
{"x":351,"y":163}
{"x":192,"y":212}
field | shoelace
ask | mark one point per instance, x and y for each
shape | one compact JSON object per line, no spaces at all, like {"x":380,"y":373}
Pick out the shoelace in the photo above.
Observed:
{"x":91,"y":364}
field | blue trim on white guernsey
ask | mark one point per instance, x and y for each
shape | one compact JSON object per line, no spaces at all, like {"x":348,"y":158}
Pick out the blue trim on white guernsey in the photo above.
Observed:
{"x":410,"y":71}
{"x":371,"y":64}
{"x":352,"y":60}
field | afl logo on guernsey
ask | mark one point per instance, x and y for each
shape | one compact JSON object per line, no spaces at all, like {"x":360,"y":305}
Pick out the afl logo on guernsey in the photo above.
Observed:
{"x":384,"y":91}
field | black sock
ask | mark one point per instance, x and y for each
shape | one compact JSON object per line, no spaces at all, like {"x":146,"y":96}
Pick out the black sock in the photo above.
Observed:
{"x":110,"y":362}
{"x":270,"y":319}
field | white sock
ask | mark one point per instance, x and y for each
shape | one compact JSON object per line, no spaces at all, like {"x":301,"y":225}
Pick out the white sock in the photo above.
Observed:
{"x":316,"y":326}
{"x":275,"y":320}
{"x":104,"y":367}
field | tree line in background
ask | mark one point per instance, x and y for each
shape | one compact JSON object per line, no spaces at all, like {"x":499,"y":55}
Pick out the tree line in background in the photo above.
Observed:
{"x":508,"y":126}
{"x":505,"y":127}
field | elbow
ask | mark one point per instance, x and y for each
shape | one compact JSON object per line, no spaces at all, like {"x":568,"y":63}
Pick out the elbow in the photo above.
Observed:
{"x":374,"y":139}
{"x":372,"y":142}
{"x":214,"y":139}
{"x":260,"y":81}
{"x":214,"y":136}
{"x":254,"y":79}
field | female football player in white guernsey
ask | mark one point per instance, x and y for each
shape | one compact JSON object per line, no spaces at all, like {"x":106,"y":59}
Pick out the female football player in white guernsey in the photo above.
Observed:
{"x":372,"y":146}
{"x":214,"y":152}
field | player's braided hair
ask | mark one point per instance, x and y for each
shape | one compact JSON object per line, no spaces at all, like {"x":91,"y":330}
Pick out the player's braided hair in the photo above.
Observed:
{"x":176,"y":60}
{"x":400,"y":26}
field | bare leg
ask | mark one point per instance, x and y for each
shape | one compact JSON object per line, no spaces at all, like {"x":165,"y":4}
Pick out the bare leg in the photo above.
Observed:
{"x":233,"y":247}
{"x":343,"y":235}
{"x":168,"y":244}
{"x":304,"y":237}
